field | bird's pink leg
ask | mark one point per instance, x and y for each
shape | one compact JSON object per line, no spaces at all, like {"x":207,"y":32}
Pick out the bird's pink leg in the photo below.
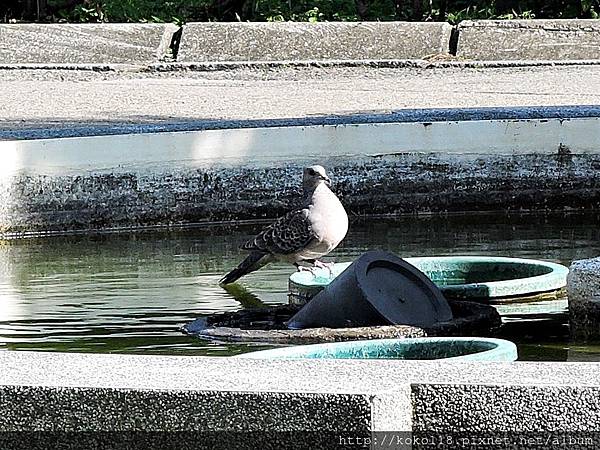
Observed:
{"x":305,"y":269}
{"x":325,"y":265}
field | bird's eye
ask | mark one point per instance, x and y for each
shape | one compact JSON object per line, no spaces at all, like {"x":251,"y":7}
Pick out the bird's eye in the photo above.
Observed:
{"x":311,"y":172}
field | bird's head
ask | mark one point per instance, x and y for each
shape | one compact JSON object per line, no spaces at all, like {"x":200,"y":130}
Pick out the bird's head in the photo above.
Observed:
{"x":313,"y":176}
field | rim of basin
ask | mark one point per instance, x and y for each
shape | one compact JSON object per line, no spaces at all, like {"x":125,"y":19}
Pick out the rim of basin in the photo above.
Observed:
{"x":493,"y":348}
{"x":555,"y":278}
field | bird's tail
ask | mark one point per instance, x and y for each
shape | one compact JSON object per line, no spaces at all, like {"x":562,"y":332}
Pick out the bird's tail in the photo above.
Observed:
{"x":253,"y":261}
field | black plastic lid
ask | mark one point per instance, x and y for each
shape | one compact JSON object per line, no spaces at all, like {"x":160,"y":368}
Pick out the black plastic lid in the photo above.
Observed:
{"x":399,"y":291}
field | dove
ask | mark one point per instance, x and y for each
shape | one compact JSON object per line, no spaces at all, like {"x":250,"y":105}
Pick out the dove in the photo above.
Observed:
{"x":302,"y":235}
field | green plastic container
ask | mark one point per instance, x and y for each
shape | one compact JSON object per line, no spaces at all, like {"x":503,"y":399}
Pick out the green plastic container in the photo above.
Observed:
{"x":494,"y":280}
{"x":446,"y":348}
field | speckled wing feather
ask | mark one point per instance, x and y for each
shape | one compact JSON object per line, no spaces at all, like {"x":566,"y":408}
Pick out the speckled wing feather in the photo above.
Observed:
{"x":286,"y":235}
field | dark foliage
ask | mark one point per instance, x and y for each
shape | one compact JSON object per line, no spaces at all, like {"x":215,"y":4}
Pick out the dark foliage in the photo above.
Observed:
{"x":180,"y":11}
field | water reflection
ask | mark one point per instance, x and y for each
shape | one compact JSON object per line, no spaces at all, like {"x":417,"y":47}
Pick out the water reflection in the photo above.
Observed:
{"x":132,"y":292}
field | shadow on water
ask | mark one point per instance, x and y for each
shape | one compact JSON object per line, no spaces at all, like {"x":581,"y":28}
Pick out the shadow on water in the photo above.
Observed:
{"x":132,"y":292}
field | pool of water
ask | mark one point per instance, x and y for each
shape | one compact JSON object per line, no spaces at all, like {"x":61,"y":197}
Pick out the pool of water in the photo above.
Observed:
{"x":132,"y":292}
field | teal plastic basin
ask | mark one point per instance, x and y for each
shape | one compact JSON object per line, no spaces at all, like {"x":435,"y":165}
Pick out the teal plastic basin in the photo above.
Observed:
{"x":477,"y":278}
{"x":446,"y":348}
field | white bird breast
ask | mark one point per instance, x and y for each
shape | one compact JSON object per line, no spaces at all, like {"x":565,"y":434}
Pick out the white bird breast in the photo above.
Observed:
{"x":329,"y":222}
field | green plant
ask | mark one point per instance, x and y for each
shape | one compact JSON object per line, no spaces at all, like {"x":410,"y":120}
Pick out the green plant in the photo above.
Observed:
{"x":83,"y":14}
{"x":313,"y":15}
{"x":181,"y":11}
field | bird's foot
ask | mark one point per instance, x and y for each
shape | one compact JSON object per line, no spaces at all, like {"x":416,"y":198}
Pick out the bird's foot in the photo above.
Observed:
{"x":306,"y":269}
{"x":325,"y":265}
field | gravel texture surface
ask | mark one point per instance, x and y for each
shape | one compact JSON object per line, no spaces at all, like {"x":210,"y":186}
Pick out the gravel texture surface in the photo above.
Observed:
{"x":42,"y":99}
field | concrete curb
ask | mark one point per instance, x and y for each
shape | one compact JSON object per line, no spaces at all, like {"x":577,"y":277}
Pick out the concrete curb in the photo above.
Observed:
{"x":85,"y":43}
{"x":62,"y":392}
{"x":224,"y":66}
{"x":272,"y":41}
{"x":372,"y":63}
{"x":388,"y":44}
{"x":529,"y":39}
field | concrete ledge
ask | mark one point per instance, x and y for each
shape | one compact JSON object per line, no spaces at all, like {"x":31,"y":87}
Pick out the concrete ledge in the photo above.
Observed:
{"x":59,"y":185}
{"x":583,"y":286}
{"x":529,"y":39}
{"x":215,"y":66}
{"x":335,"y":398}
{"x":85,"y":43}
{"x":232,"y":66}
{"x":26,"y":131}
{"x":511,"y":413}
{"x":273,"y":41}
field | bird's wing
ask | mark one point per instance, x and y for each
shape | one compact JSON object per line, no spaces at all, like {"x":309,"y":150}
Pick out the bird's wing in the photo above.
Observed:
{"x":286,"y":235}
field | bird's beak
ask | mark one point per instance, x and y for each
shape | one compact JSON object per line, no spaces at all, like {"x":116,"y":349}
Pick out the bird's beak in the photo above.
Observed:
{"x":327,"y":180}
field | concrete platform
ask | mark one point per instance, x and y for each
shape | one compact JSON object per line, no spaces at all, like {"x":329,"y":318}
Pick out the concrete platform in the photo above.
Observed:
{"x":295,"y":403}
{"x":529,"y":39}
{"x":38,"y":103}
{"x":297,"y":41}
{"x":85,"y":43}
